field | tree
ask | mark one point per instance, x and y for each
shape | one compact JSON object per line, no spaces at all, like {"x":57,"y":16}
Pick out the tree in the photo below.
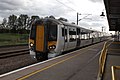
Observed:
{"x":4,"y":23}
{"x":22,"y":21}
{"x":21,"y":24}
{"x":31,"y":20}
{"x":12,"y":19}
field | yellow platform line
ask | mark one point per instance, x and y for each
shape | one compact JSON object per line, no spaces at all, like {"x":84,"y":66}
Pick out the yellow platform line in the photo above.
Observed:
{"x":24,"y":77}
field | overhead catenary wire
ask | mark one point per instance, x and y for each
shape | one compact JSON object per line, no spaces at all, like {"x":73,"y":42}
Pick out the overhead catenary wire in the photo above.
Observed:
{"x":71,"y":2}
{"x":71,"y":7}
{"x":66,"y":5}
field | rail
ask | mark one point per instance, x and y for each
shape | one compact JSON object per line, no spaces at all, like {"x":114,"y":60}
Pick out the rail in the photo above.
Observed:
{"x":102,"y":60}
{"x":13,"y":53}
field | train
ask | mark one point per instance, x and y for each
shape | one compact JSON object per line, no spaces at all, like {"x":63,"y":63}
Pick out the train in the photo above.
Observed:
{"x":50,"y":37}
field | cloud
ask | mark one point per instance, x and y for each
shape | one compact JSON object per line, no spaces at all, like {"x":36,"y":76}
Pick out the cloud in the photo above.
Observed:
{"x":96,"y":1}
{"x":55,"y":8}
{"x":11,"y":4}
{"x":30,"y":7}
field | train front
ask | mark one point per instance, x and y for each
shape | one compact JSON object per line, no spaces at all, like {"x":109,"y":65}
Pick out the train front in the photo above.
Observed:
{"x":43,"y":39}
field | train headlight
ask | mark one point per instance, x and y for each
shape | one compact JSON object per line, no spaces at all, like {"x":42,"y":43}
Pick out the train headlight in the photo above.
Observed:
{"x":31,"y":44}
{"x":52,"y":47}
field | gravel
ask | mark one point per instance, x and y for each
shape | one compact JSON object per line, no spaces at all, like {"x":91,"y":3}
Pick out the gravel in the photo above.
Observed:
{"x":13,"y":63}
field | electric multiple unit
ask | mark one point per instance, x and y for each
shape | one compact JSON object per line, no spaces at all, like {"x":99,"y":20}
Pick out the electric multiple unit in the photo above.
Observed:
{"x":50,"y":37}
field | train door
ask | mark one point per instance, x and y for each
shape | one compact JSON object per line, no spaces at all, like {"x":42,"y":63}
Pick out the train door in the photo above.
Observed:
{"x":72,"y":38}
{"x":40,"y":38}
{"x":78,"y":37}
{"x":65,"y":38}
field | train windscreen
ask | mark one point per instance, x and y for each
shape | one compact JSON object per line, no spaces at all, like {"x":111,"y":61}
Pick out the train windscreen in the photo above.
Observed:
{"x":32,"y":33}
{"x":52,"y":32}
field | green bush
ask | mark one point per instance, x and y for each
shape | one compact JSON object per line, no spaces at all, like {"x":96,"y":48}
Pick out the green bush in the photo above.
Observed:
{"x":13,"y":39}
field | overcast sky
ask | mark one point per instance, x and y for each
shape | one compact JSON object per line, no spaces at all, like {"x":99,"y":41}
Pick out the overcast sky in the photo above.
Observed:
{"x":58,"y":8}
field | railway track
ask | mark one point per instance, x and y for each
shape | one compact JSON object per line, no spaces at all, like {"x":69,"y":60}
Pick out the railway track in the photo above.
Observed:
{"x":12,"y":53}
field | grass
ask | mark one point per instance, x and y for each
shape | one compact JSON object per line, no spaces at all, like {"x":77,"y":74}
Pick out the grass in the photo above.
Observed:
{"x":13,"y":39}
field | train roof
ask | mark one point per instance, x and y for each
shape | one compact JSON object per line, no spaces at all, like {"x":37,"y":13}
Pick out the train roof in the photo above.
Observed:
{"x":84,"y":30}
{"x":66,"y":23}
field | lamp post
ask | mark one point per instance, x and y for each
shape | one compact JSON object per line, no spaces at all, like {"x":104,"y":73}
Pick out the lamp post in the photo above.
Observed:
{"x":102,"y":15}
{"x":102,"y":29}
{"x":77,"y":17}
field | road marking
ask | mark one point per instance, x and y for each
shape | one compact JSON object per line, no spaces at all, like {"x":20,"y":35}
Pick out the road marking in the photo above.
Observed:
{"x":24,"y":77}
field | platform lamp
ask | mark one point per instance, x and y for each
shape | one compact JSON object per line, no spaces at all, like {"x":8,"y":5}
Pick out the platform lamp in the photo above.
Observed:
{"x":102,"y":15}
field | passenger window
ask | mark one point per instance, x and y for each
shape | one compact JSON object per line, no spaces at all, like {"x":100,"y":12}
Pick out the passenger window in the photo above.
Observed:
{"x":87,"y":35}
{"x":72,"y":36}
{"x":82,"y":36}
{"x":91,"y":35}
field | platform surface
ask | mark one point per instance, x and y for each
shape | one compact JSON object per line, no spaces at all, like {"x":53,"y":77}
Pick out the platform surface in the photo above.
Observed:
{"x":81,"y":64}
{"x":113,"y":59}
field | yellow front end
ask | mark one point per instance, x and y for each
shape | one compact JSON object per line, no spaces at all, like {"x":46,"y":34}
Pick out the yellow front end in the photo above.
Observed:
{"x":37,"y":44}
{"x":43,"y":39}
{"x":40,"y":38}
{"x":51,"y":45}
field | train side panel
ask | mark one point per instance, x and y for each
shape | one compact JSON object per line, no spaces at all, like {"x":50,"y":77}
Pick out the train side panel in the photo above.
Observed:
{"x":60,"y":41}
{"x":85,"y":42}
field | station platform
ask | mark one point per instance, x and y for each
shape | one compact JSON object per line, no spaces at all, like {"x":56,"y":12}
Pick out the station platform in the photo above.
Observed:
{"x":111,"y":67}
{"x":81,"y":64}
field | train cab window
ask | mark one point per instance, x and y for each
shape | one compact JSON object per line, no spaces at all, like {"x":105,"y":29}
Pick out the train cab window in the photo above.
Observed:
{"x":52,"y":32}
{"x":32,"y":33}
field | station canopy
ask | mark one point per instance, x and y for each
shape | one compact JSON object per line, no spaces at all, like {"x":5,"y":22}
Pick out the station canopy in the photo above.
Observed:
{"x":113,"y":14}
